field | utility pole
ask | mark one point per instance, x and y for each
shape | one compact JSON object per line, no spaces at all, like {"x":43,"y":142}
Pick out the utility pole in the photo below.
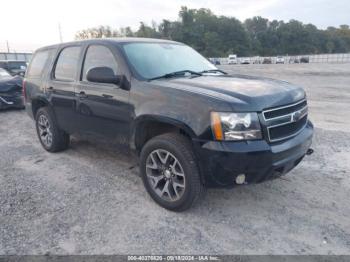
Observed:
{"x":60,"y":32}
{"x":8,"y":46}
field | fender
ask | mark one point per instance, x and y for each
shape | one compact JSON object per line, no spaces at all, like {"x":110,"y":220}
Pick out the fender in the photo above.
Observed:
{"x":137,"y":129}
{"x":139,"y":121}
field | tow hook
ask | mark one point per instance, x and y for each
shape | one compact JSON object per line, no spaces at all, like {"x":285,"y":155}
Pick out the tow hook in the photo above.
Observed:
{"x":309,"y":151}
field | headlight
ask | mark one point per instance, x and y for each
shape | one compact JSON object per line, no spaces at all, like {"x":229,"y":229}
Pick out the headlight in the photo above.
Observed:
{"x":235,"y":126}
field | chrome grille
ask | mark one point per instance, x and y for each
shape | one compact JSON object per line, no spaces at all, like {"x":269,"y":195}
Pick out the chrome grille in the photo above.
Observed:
{"x":285,"y":121}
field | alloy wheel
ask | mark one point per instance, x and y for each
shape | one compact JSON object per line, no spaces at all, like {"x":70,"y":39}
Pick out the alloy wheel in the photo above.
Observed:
{"x":165,"y":175}
{"x":45,"y":132}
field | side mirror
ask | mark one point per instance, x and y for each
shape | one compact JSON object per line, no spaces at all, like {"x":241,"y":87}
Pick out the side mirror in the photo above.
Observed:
{"x":103,"y":75}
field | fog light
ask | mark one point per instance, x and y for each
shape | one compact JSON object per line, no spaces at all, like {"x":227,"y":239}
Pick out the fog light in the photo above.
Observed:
{"x":240,"y":179}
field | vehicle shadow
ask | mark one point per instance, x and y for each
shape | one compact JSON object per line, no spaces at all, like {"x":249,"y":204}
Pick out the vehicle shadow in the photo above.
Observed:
{"x":10,"y":109}
{"x":119,"y":162}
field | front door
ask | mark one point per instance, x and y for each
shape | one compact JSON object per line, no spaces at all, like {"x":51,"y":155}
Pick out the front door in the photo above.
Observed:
{"x":103,"y":108}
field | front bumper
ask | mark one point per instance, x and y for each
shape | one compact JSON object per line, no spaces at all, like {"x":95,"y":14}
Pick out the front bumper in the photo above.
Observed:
{"x":222,"y":162}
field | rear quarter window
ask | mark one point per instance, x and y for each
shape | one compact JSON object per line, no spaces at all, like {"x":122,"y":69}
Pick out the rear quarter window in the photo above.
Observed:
{"x":38,"y":63}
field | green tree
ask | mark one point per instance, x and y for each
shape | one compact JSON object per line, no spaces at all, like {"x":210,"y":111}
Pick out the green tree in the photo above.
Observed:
{"x":215,"y":36}
{"x":97,"y":32}
{"x":146,"y":31}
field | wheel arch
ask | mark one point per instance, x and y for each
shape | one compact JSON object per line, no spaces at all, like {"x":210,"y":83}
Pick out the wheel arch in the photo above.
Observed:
{"x":38,"y":103}
{"x":148,"y":126}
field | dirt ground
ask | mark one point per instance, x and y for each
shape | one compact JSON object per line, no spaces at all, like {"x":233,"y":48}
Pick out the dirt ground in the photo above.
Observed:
{"x":90,"y":199}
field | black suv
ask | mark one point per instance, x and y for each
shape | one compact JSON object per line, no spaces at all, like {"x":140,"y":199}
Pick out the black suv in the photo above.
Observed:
{"x":193,"y":125}
{"x":14,"y":67}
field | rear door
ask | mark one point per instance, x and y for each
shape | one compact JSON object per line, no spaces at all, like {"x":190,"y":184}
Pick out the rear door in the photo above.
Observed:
{"x":37,"y":74}
{"x":104,"y":108}
{"x":61,"y":87}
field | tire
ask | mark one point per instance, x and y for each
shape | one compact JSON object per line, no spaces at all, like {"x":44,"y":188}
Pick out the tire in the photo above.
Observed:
{"x":55,"y":140}
{"x":171,"y":153}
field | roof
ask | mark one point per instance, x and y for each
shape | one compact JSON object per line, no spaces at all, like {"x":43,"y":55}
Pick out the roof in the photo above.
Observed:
{"x":114,"y":40}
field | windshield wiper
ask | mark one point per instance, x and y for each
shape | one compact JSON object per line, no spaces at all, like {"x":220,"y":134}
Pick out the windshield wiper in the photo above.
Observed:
{"x":174,"y":74}
{"x":213,"y":71}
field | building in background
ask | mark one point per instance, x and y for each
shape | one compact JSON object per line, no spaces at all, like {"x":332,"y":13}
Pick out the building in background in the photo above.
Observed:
{"x":16,"y":56}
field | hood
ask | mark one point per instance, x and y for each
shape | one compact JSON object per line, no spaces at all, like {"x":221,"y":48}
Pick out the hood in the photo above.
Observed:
{"x":245,"y":93}
{"x":11,"y":84}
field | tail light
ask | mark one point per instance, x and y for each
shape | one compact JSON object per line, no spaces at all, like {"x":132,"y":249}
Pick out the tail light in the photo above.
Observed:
{"x":24,"y":90}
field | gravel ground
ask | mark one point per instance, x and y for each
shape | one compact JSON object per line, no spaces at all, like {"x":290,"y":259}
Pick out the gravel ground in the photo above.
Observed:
{"x":90,"y":199}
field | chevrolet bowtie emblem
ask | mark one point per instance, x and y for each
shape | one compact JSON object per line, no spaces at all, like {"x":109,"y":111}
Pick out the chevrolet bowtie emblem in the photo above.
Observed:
{"x":295,"y":116}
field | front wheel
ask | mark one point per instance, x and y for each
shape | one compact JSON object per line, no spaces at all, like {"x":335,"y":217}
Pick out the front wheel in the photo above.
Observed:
{"x":170,"y":173}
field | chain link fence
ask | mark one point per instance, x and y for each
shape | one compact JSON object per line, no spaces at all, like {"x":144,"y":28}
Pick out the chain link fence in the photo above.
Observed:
{"x":319,"y":58}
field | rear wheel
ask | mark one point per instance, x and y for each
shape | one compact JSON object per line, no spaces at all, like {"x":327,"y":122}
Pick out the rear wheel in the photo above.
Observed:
{"x":51,"y":137}
{"x":170,"y":173}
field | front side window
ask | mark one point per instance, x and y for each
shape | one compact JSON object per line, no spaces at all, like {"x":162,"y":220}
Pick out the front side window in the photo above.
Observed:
{"x":155,"y":59}
{"x":99,"y":56}
{"x":67,"y":64}
{"x":38,"y":63}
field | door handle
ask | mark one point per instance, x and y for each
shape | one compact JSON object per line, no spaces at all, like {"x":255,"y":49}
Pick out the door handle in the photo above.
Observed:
{"x":107,"y":96}
{"x":82,"y":94}
{"x":50,"y":89}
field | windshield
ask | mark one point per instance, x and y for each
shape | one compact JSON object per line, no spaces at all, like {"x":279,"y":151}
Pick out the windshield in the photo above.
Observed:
{"x":17,"y":65}
{"x":4,"y":73}
{"x":152,"y":60}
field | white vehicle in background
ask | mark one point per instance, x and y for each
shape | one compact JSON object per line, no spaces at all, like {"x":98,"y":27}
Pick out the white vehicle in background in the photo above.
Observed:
{"x":256,"y":60}
{"x":279,"y":60}
{"x":245,"y":60}
{"x":232,"y":60}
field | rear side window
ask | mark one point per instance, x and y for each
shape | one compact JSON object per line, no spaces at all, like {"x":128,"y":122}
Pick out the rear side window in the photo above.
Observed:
{"x":38,"y":64}
{"x":98,"y":56}
{"x":67,"y":64}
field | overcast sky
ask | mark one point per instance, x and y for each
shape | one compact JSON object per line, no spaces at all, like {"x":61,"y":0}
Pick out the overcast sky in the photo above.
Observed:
{"x":29,"y":24}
